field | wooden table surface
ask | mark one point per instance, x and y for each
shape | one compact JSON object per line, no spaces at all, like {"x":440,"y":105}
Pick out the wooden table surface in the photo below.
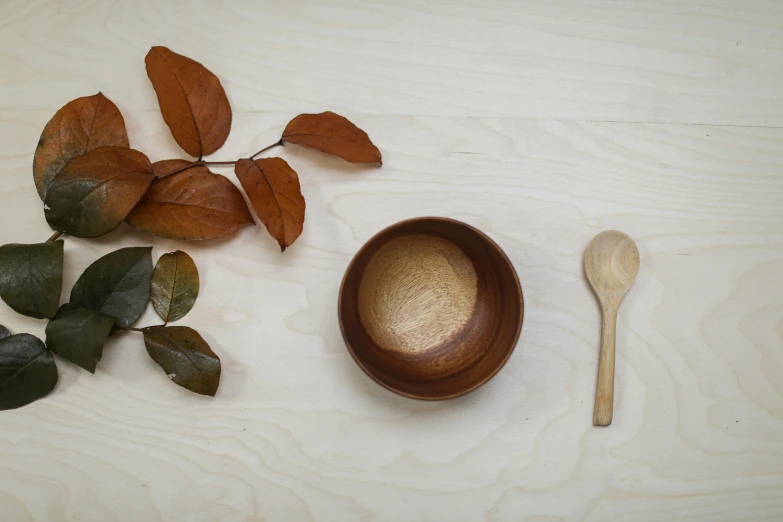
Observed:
{"x":541,"y":123}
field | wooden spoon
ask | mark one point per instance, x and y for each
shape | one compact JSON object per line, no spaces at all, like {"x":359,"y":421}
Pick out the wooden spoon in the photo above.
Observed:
{"x":611,"y":265}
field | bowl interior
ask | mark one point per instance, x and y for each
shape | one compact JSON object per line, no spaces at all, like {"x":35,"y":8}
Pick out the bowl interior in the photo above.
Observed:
{"x":430,"y":308}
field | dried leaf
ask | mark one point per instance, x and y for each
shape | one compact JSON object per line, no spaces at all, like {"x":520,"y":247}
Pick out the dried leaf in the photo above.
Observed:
{"x":31,"y":277}
{"x":333,"y":134}
{"x":78,"y":334}
{"x":185,"y":357}
{"x":193,"y":103}
{"x":117,"y":284}
{"x":27,"y":371}
{"x":192,"y":204}
{"x":93,"y":193}
{"x":273,"y":189}
{"x":174,"y":285}
{"x":80,"y":126}
{"x":4,"y":332}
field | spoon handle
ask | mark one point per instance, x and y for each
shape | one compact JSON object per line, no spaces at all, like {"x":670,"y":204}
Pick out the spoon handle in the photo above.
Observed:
{"x":604,"y":397}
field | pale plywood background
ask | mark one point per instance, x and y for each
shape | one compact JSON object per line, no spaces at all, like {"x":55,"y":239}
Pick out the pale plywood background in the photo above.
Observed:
{"x":541,"y":123}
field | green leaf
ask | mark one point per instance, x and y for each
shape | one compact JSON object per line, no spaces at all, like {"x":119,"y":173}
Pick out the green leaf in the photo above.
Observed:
{"x":31,"y":277}
{"x":27,"y":371}
{"x":185,"y":357}
{"x":78,"y":334}
{"x":94,"y":193}
{"x":4,"y":332}
{"x":174,"y":286}
{"x":118,"y":284}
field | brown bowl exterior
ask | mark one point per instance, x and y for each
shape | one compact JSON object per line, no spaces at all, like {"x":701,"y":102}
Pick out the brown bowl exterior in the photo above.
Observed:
{"x":465,"y":360}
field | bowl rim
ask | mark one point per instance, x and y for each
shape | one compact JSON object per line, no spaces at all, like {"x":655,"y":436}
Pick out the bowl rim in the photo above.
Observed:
{"x":488,"y":240}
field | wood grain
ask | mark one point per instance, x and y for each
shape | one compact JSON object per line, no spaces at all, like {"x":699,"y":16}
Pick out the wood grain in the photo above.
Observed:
{"x":692,"y":61}
{"x":297,"y":431}
{"x":416,"y":293}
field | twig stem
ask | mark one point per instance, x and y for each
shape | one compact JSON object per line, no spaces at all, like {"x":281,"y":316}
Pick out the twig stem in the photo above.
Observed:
{"x":183,"y":167}
{"x":272,"y":146}
{"x":129,"y":328}
{"x":201,"y":163}
{"x":223,"y":163}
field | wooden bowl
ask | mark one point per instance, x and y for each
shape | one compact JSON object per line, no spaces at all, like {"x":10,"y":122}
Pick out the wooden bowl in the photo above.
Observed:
{"x":430,"y":308}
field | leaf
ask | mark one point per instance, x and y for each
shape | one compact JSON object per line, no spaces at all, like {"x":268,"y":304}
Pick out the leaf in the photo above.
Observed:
{"x":27,"y":371}
{"x":117,"y":284}
{"x":78,"y":334}
{"x":93,"y":193}
{"x":333,"y":134}
{"x":185,"y":357}
{"x":174,"y":286}
{"x":4,"y":332}
{"x":273,"y":189}
{"x":192,"y":204}
{"x":31,"y":277}
{"x":79,"y":127}
{"x":193,"y":103}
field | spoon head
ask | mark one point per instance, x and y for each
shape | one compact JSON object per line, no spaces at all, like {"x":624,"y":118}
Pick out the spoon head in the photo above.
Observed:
{"x":611,"y":264}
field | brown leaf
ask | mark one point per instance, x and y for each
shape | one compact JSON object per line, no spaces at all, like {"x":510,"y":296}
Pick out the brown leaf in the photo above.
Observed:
{"x":192,"y":204}
{"x":273,"y":189}
{"x":193,"y":103}
{"x":93,"y":193}
{"x":80,"y":126}
{"x":174,"y":285}
{"x":333,"y":134}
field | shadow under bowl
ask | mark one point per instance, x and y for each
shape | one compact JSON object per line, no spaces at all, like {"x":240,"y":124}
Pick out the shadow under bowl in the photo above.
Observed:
{"x":430,"y":308}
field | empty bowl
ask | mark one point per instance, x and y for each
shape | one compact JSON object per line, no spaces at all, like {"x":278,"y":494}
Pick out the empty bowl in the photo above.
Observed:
{"x":430,"y":308}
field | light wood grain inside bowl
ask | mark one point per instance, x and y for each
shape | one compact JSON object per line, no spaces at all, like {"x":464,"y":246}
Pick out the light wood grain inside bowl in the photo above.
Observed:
{"x":430,"y":308}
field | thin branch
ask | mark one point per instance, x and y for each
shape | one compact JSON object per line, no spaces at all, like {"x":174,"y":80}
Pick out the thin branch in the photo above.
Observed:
{"x":202,"y":163}
{"x":279,"y":143}
{"x":55,"y":236}
{"x":183,"y":167}
{"x":223,"y":163}
{"x":197,"y":164}
{"x":129,"y":328}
